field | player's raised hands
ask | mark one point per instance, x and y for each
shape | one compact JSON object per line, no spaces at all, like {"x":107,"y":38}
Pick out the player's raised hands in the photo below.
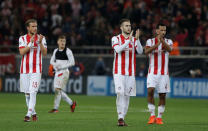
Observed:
{"x":32,"y":39}
{"x":162,"y":40}
{"x":40,"y":38}
{"x":159,"y":39}
{"x":137,"y":34}
{"x":130,"y":36}
{"x":31,"y":44}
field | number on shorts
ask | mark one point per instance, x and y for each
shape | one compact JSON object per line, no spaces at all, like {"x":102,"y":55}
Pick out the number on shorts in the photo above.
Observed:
{"x":130,"y":90}
{"x":35,"y":84}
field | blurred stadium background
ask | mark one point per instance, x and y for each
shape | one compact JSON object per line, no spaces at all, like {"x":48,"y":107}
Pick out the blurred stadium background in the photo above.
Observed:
{"x":89,"y":26}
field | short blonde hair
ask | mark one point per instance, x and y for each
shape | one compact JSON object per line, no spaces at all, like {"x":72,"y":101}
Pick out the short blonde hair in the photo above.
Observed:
{"x":27,"y":23}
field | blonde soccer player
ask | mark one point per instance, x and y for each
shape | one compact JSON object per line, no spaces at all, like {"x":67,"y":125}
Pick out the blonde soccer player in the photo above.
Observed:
{"x":31,"y":46}
{"x":124,"y":67}
{"x":158,"y":49}
{"x":61,"y":60}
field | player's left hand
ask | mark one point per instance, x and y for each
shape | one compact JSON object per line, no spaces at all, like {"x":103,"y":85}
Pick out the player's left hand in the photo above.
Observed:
{"x":162,"y":39}
{"x":32,"y":39}
{"x":137,"y":34}
{"x":40,"y":38}
{"x":130,"y":36}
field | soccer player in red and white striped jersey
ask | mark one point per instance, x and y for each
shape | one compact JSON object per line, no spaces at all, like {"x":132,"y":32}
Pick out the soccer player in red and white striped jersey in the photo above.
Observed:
{"x":31,"y":46}
{"x":124,"y":67}
{"x":158,"y":49}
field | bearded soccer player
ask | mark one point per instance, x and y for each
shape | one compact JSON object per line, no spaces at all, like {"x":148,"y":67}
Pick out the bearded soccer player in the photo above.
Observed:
{"x":124,"y":67}
{"x":158,"y":49}
{"x":31,"y":46}
{"x":61,"y":60}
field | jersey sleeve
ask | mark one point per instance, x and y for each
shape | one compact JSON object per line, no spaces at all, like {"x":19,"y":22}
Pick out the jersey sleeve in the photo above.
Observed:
{"x":70,"y":57}
{"x":52,"y":61}
{"x":148,"y":43}
{"x":138,"y":46}
{"x":114,"y":41}
{"x":22,"y":44}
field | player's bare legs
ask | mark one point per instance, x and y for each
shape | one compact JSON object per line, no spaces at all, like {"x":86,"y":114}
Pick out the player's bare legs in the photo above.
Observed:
{"x":162,"y":99}
{"x":151,"y":104}
{"x":150,"y":97}
{"x":161,"y":107}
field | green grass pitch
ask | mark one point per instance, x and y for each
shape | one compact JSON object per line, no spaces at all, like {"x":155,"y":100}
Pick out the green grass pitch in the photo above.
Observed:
{"x":98,"y":113}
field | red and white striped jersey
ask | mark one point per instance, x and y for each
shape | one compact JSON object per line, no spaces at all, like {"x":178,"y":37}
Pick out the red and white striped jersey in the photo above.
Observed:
{"x":124,"y":61}
{"x":32,"y":61}
{"x":158,"y":58}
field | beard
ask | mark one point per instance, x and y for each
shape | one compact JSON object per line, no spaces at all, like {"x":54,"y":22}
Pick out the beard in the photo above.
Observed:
{"x":162,"y":35}
{"x":33,"y":32}
{"x":125,"y":32}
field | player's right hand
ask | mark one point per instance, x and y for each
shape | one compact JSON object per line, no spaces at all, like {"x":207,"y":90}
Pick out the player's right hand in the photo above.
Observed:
{"x":130,"y":36}
{"x":137,"y":34}
{"x":32,"y":39}
{"x":158,"y":39}
{"x":30,"y":45}
{"x":40,"y":38}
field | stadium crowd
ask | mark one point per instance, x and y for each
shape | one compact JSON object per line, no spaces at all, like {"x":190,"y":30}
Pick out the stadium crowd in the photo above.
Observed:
{"x":94,"y":22}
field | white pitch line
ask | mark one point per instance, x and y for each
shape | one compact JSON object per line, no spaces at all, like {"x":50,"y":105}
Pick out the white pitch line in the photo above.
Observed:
{"x":81,"y":111}
{"x":108,"y":111}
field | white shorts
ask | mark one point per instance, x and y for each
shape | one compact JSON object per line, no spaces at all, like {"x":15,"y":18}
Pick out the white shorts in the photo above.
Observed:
{"x":30,"y":82}
{"x":61,"y":79}
{"x":125,"y":85}
{"x":160,"y":82}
